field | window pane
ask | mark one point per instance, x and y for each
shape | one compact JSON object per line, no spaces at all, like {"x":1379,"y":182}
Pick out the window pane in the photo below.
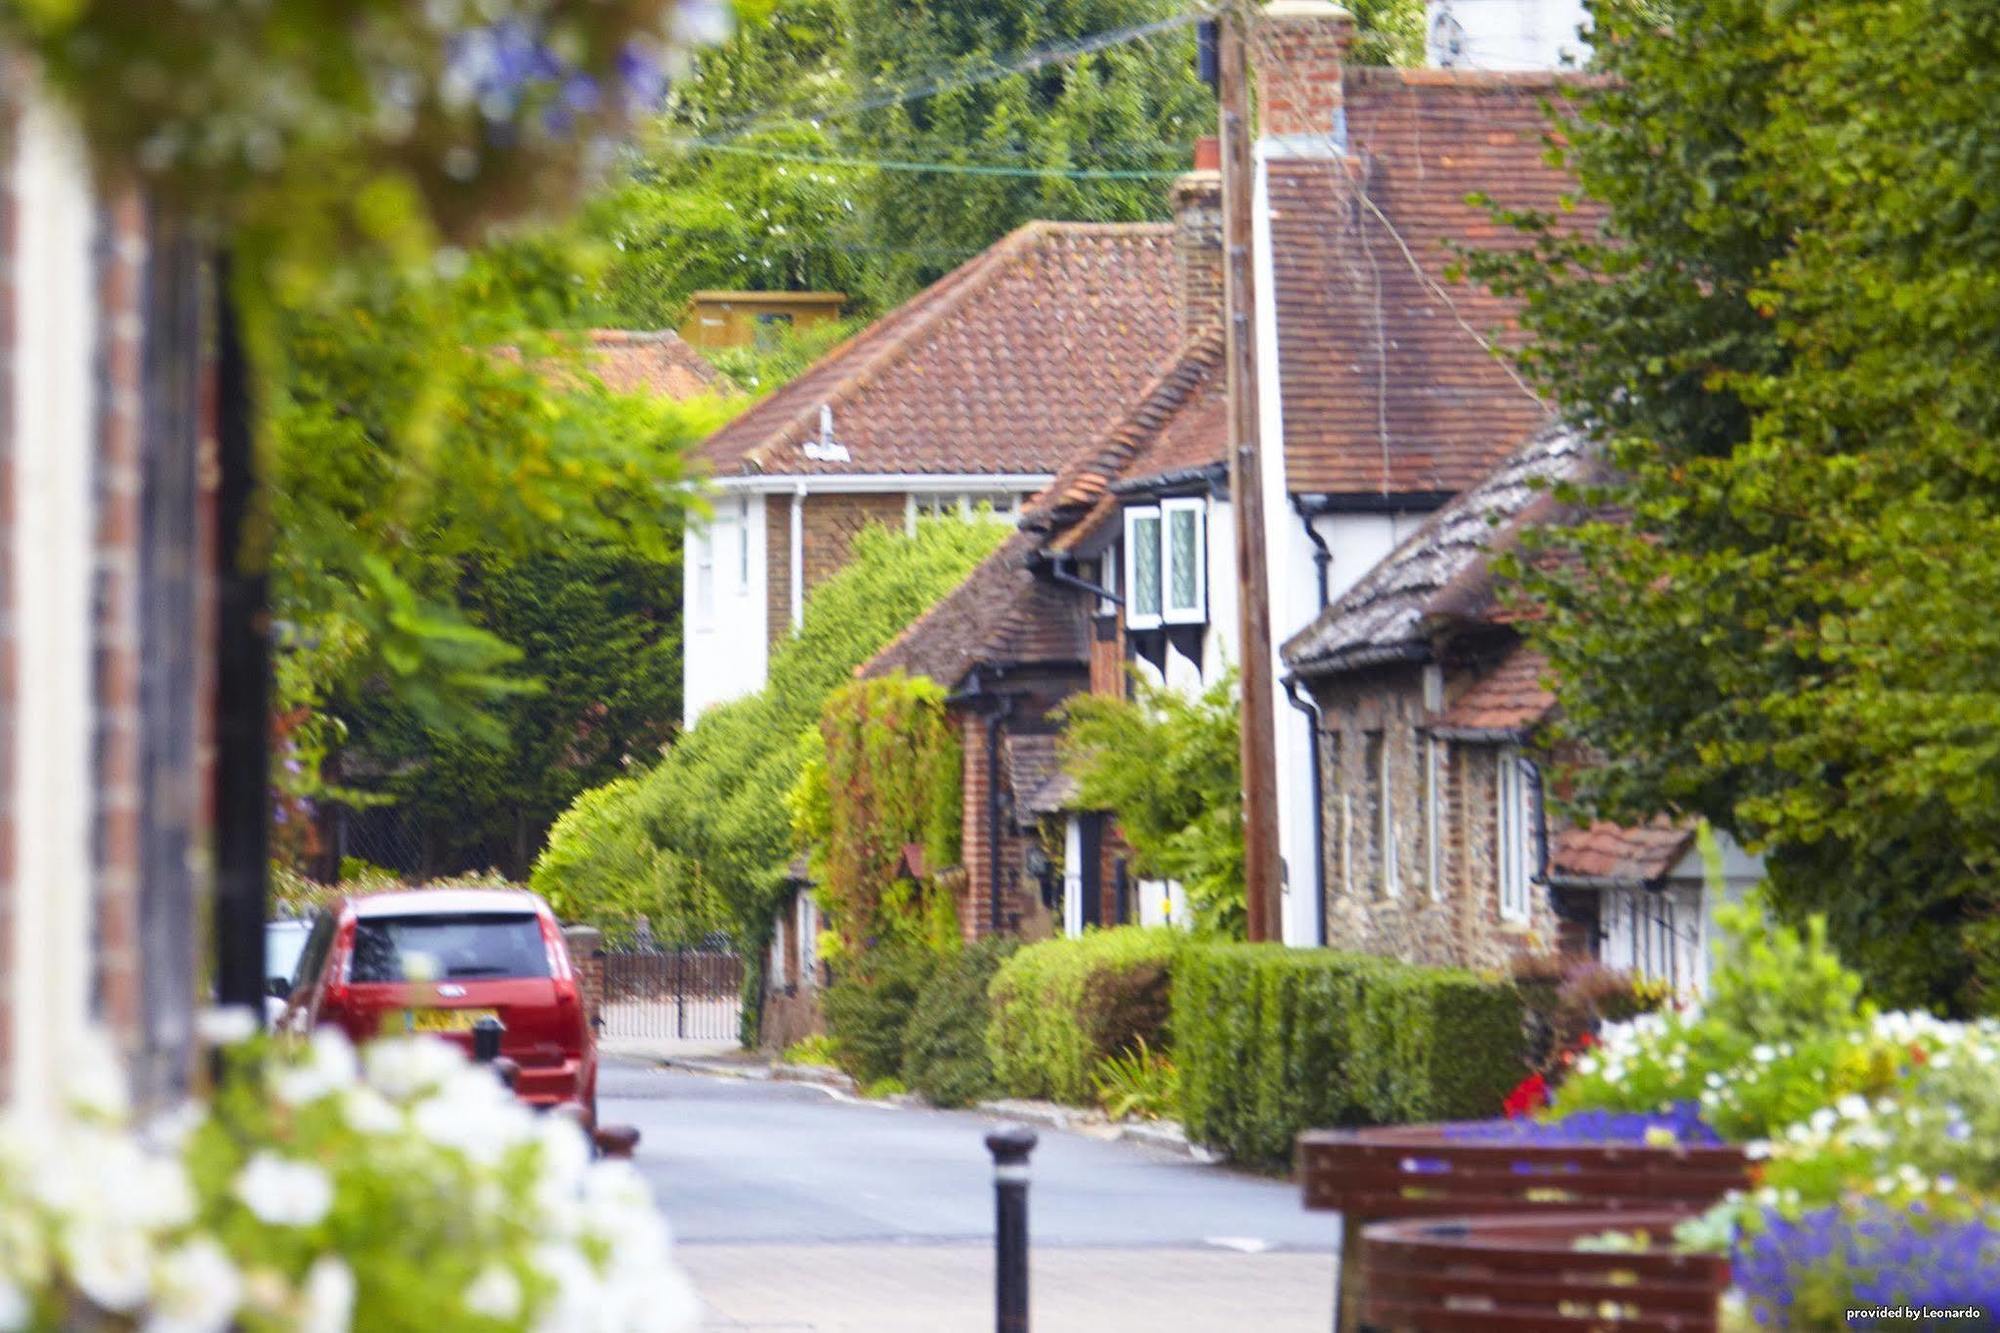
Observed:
{"x":1146,"y":566}
{"x":1183,"y":550}
{"x":483,"y":945}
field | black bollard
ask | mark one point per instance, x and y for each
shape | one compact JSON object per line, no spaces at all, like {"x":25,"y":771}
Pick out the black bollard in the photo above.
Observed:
{"x":1010,"y":1146}
{"x":486,"y":1034}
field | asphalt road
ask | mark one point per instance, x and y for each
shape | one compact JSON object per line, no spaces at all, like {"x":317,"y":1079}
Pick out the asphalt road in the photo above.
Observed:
{"x":802,"y":1212}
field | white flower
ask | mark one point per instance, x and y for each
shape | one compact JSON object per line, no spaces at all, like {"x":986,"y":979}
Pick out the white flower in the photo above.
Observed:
{"x":199,"y":1290}
{"x":93,"y":1078}
{"x":112,"y":1265}
{"x":578,"y":1300}
{"x":495,"y":1293}
{"x":1762,"y":1053}
{"x":225,"y":1025}
{"x":329,"y":1067}
{"x":327,"y":1302}
{"x":283,"y":1192}
{"x":369,"y":1112}
{"x":473,"y":1114}
{"x":402,"y":1068}
{"x":14,"y":1310}
{"x":1852,"y":1107}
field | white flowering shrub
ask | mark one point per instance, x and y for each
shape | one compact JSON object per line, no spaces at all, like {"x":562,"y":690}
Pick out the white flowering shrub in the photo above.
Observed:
{"x":405,"y":1190}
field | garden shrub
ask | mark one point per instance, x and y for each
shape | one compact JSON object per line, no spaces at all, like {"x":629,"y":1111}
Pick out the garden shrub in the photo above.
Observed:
{"x":1271,"y":1041}
{"x":869,"y":1005}
{"x":1061,"y":1006}
{"x":944,"y":1050}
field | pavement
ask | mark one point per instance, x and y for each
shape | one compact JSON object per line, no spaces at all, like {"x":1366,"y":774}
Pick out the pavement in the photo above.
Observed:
{"x":801,"y":1209}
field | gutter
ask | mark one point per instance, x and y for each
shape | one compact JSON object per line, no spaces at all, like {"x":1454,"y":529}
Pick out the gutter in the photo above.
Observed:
{"x":1322,"y":553}
{"x":1067,"y":579}
{"x":1314,"y":720}
{"x":1205,"y":474}
{"x":1481,"y":735}
{"x":1373,"y":502}
{"x":1354,"y":658}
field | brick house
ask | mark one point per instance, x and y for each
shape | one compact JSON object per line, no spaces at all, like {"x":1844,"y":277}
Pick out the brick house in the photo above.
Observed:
{"x":1438,"y":840}
{"x":108,"y":601}
{"x":974,"y":392}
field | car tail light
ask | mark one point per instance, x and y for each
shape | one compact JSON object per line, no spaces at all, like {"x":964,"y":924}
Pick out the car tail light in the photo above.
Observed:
{"x":552,"y":940}
{"x":335,"y":1001}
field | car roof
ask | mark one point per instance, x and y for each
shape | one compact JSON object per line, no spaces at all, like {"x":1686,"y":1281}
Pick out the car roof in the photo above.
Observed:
{"x":445,"y":902}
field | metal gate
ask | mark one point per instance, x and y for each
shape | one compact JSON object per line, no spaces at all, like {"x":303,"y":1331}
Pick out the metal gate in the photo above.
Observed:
{"x":673,"y":994}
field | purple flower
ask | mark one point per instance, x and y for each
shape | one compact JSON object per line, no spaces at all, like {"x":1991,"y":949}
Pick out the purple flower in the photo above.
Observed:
{"x":1805,"y":1272}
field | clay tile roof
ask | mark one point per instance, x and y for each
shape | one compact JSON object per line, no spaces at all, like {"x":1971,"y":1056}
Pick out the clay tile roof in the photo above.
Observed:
{"x":1036,"y":775}
{"x":1616,"y":855}
{"x":1388,"y":615}
{"x":652,"y":362}
{"x":1008,"y":364}
{"x":1510,"y":698}
{"x":1388,"y":386}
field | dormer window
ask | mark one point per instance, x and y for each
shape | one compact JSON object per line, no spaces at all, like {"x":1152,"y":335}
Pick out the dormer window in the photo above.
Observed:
{"x":1166,"y":564}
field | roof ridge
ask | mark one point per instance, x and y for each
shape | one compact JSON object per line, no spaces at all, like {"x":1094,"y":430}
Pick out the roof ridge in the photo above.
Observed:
{"x":896,"y":338}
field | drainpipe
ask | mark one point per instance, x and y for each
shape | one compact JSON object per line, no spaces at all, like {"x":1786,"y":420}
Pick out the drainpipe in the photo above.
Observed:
{"x":798,"y":556}
{"x":1310,"y":708}
{"x":1061,"y":569}
{"x":1002,"y":710}
{"x":1322,"y":554}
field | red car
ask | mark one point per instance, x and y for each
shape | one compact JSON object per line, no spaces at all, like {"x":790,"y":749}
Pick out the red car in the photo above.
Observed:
{"x":437,"y":961}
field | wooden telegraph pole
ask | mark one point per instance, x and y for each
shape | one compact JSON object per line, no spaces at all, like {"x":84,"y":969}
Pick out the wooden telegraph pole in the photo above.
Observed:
{"x":1261,"y":866}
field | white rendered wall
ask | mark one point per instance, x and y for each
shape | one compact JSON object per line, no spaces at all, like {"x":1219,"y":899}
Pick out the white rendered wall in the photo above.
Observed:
{"x":1225,"y":632}
{"x":54,"y":450}
{"x":726,"y":655}
{"x":1505,"y":34}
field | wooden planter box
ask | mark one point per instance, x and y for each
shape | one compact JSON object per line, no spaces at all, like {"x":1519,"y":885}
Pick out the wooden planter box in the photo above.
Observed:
{"x":1399,"y":1173}
{"x":1473,"y":1275}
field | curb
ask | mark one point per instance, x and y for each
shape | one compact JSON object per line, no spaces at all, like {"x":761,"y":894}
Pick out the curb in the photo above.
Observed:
{"x":1165,"y":1135}
{"x":815,"y":1074}
{"x":746,"y":1069}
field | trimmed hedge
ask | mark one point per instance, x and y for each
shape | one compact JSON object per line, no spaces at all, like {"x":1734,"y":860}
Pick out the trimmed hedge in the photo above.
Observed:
{"x":944,"y":1049}
{"x":1062,"y":1005}
{"x":869,"y":1005}
{"x":1271,"y":1041}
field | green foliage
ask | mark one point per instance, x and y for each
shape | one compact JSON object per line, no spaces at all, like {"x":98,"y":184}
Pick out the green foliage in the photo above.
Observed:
{"x":1170,"y":768}
{"x":818,"y":1049}
{"x":1271,"y":1041}
{"x":1062,"y":1006}
{"x":944,"y":1046}
{"x":713,"y":812}
{"x":1786,"y":332}
{"x":869,"y":1006}
{"x":882,"y":771}
{"x":787,"y":354}
{"x":1140,"y":1083}
{"x":885,"y":1087}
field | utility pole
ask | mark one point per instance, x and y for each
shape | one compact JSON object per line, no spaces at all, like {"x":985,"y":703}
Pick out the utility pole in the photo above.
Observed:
{"x":1261,"y":865}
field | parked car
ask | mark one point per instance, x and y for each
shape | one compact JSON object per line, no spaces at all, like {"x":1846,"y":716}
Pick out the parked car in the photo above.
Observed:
{"x":437,"y":961}
{"x":284,"y":943}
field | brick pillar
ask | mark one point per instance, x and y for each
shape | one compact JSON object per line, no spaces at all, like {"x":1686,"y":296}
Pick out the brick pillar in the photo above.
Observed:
{"x":586,"y":955}
{"x":975,"y":915}
{"x":1197,"y":199}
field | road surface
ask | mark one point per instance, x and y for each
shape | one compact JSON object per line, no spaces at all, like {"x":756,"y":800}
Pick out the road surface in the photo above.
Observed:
{"x":800,"y":1212}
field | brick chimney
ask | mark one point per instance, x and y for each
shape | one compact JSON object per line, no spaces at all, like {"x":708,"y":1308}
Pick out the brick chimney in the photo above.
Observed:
{"x":1297,"y":50}
{"x":1197,"y":200}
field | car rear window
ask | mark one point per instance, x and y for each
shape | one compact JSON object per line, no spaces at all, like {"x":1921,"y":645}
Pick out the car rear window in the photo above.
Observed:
{"x":437,"y":947}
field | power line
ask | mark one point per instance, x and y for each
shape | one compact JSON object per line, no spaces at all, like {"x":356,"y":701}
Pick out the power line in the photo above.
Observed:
{"x":939,"y":168}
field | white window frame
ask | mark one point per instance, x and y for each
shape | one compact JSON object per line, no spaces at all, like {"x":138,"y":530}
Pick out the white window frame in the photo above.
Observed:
{"x":704,"y":577}
{"x":1111,"y":571}
{"x":1511,"y":822}
{"x":1195,"y":612}
{"x":1134,"y":617}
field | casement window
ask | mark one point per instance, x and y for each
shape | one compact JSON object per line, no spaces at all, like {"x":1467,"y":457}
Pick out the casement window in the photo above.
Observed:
{"x":1432,"y":750}
{"x":742,"y":543}
{"x":1385,"y":818}
{"x":1335,"y":831}
{"x":1111,"y":567}
{"x":703,"y":541}
{"x":964,"y":504}
{"x":1166,"y":566}
{"x":1516,"y":837}
{"x":1374,"y":816}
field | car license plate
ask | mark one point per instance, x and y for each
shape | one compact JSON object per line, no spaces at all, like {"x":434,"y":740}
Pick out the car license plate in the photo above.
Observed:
{"x":444,"y":1020}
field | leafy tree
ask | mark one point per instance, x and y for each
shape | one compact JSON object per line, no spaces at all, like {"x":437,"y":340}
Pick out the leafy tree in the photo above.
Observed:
{"x":1786,"y":333}
{"x":713,"y":812}
{"x":1170,"y":768}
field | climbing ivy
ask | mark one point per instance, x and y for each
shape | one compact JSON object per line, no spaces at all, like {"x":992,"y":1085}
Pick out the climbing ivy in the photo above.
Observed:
{"x":881,"y":772}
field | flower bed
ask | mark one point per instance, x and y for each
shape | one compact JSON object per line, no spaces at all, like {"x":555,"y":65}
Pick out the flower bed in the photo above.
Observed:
{"x":1475,"y":1274}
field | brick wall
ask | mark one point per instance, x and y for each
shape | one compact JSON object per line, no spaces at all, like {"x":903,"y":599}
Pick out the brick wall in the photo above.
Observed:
{"x":1459,"y":924}
{"x":828,"y":528}
{"x":778,"y":567}
{"x":1197,"y":199}
{"x":1297,"y":52}
{"x":121,"y":263}
{"x":7,"y":677}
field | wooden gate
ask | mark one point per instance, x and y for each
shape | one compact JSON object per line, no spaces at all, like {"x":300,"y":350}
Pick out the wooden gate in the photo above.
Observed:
{"x":693,"y":994}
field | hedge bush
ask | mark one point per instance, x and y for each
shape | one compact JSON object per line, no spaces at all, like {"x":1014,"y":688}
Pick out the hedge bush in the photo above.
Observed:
{"x":869,"y":1005}
{"x":1271,"y":1041}
{"x":1062,"y":1005}
{"x":944,"y":1049}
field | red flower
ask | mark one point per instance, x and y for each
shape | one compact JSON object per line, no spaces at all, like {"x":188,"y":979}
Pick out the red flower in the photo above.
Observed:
{"x":1530,"y":1095}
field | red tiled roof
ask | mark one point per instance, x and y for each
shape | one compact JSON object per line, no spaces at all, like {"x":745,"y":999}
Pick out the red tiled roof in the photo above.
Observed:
{"x":1009,"y":364}
{"x":630,"y":361}
{"x":1614,"y":854}
{"x":1388,"y":386}
{"x":1510,"y":698}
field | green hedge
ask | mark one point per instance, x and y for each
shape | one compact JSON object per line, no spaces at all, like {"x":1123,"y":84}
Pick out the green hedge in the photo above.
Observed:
{"x":1062,"y":1005}
{"x":1271,"y":1041}
{"x":869,"y":1005}
{"x":944,"y":1049}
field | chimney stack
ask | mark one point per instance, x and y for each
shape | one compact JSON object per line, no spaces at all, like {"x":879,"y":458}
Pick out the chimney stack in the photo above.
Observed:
{"x":1297,"y":51}
{"x":1197,"y":200}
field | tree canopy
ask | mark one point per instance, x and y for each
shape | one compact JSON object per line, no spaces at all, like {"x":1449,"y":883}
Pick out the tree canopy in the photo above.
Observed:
{"x":1786,"y":333}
